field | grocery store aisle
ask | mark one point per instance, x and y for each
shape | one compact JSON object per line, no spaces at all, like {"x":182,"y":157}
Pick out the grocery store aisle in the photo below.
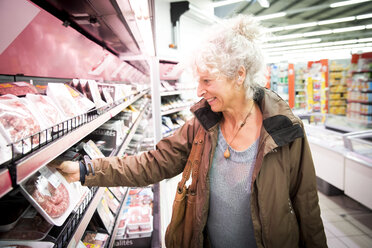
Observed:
{"x":347,"y":223}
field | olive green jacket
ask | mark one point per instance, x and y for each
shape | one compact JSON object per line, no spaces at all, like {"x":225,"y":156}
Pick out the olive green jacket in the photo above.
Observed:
{"x":284,"y":200}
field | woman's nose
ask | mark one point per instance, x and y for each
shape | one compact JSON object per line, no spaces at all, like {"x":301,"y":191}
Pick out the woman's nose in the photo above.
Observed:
{"x":200,"y":91}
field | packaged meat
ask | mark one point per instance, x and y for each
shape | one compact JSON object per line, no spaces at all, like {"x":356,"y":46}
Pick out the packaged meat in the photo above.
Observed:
{"x":17,"y":122}
{"x":51,"y":195}
{"x":48,"y":110}
{"x":31,"y":226}
{"x":82,"y":102}
{"x":139,"y":218}
{"x":105,"y":214}
{"x":63,"y":99}
{"x":118,"y":192}
{"x":112,"y":202}
{"x":92,"y":150}
{"x":91,"y":90}
{"x":17,"y":88}
{"x":95,"y":239}
{"x":5,"y":150}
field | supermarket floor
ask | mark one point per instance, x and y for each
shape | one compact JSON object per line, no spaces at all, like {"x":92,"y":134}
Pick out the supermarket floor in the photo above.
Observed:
{"x":347,"y":223}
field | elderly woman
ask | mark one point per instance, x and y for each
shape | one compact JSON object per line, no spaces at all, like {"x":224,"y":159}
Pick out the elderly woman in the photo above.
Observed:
{"x":256,"y":182}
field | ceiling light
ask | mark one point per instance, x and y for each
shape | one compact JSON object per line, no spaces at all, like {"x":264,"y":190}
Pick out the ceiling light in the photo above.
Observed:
{"x":359,"y":17}
{"x":348,"y":29}
{"x":344,"y":3}
{"x":264,"y":3}
{"x":223,"y":3}
{"x":345,"y":19}
{"x":302,"y":25}
{"x":296,"y":42}
{"x":271,"y":16}
{"x":315,"y":33}
{"x":369,"y":26}
{"x":365,"y":40}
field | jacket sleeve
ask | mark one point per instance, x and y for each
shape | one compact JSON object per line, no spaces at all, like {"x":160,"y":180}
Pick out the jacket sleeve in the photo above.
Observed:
{"x":166,"y":161}
{"x":304,"y":195}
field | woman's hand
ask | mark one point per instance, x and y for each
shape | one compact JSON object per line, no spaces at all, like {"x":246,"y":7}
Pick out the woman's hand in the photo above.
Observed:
{"x":69,"y":169}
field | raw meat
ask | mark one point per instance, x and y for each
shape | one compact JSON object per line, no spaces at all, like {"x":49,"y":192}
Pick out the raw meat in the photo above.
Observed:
{"x":55,"y":204}
{"x":17,"y":88}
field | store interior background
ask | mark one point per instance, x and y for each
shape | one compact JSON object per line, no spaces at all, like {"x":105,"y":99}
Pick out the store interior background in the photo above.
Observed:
{"x":319,"y":59}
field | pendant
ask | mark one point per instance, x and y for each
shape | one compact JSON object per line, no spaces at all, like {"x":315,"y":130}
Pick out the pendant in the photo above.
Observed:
{"x":226,"y":154}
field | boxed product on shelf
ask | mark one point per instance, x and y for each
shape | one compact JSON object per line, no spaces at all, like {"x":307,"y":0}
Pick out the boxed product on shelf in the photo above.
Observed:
{"x":17,"y":88}
{"x":82,"y":102}
{"x":95,"y":239}
{"x":118,"y":192}
{"x":50,"y":194}
{"x":105,"y":214}
{"x":92,"y":150}
{"x":112,"y":202}
{"x":90,"y":89}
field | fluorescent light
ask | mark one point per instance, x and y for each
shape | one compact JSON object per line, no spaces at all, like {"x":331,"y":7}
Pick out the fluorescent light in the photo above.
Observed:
{"x":223,"y":3}
{"x":344,"y":3}
{"x":334,"y":45}
{"x":296,"y":42}
{"x":264,"y":3}
{"x":369,"y":26}
{"x":271,"y":16}
{"x":366,"y":16}
{"x":315,"y":33}
{"x":348,"y":29}
{"x":345,"y":19}
{"x":276,"y":29}
{"x":302,"y":25}
{"x":365,"y":40}
{"x":324,"y":22}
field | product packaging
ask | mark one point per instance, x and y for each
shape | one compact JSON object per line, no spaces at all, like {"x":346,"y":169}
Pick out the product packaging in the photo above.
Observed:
{"x":92,"y":150}
{"x":82,"y":102}
{"x":105,"y":214}
{"x":19,"y":121}
{"x":51,"y":195}
{"x":112,"y":202}
{"x":48,"y":111}
{"x":60,"y":95}
{"x":17,"y":88}
{"x":95,"y":239}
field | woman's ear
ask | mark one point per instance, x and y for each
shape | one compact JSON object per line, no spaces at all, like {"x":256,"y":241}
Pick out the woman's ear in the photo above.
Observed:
{"x":241,"y":75}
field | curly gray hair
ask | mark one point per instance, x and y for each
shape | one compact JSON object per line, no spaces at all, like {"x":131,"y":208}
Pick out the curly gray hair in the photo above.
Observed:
{"x":231,"y":45}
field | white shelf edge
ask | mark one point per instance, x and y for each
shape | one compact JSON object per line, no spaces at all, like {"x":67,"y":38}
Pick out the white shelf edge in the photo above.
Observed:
{"x":80,"y":229}
{"x":171,"y":111}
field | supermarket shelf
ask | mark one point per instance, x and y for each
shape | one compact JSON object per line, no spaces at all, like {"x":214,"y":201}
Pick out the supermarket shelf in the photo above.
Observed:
{"x":25,"y":167}
{"x":171,"y":111}
{"x":362,"y":102}
{"x":117,"y":220}
{"x":80,"y":229}
{"x":361,"y":71}
{"x":300,"y":90}
{"x":170,"y":133}
{"x":175,"y":92}
{"x":357,"y":112}
{"x":133,"y":130}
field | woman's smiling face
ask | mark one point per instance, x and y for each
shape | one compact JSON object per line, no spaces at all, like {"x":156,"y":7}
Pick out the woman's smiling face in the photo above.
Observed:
{"x":217,"y":90}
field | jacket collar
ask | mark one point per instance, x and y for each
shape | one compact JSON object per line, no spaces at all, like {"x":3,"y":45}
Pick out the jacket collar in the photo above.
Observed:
{"x":278,"y":120}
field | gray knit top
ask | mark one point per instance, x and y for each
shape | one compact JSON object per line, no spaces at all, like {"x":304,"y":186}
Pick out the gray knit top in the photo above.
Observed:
{"x":229,"y":221}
